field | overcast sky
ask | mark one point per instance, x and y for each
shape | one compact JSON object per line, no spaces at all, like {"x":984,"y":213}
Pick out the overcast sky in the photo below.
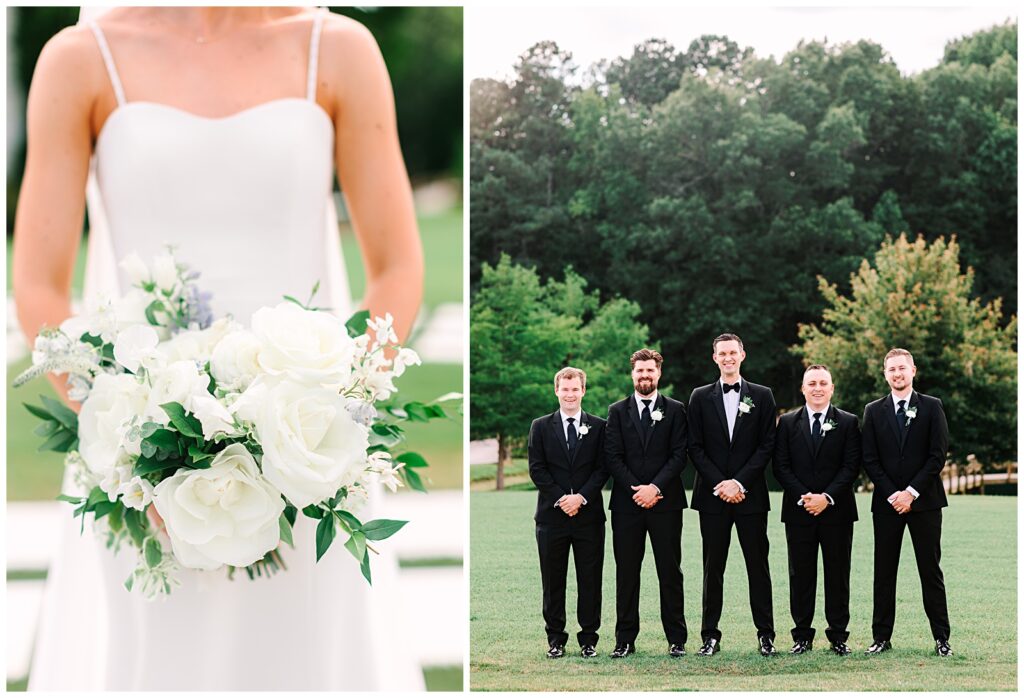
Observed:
{"x":913,"y":36}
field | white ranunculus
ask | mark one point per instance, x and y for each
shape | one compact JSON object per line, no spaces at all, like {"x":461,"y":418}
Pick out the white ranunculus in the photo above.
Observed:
{"x":134,"y":345}
{"x":136,"y":493}
{"x":103,"y":421}
{"x":302,"y":344}
{"x":226,"y":514}
{"x":234,"y":363}
{"x":165,"y":272}
{"x":177,"y":382}
{"x":214,"y":416}
{"x":196,"y":345}
{"x":135,"y":270}
{"x":311,"y":444}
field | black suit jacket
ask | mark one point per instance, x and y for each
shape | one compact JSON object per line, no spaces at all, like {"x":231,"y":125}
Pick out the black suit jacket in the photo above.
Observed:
{"x":830,"y":469}
{"x":915,"y":460}
{"x":659,"y":459}
{"x":556,"y":473}
{"x":744,"y":459}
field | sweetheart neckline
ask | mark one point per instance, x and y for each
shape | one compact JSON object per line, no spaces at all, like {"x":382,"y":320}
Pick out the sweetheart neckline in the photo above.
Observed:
{"x":211,"y":119}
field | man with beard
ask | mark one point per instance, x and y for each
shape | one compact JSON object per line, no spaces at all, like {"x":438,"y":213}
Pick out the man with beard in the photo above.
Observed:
{"x":817,"y":458}
{"x":646,"y":453}
{"x":732,"y":437}
{"x":905,"y":443}
{"x":566,"y":453}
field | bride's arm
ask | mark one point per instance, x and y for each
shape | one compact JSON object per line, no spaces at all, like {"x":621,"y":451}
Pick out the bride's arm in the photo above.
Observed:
{"x":371,"y":171}
{"x":51,"y":206}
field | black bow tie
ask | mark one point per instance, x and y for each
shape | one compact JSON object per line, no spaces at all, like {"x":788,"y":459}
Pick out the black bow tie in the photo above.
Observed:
{"x":727,"y":388}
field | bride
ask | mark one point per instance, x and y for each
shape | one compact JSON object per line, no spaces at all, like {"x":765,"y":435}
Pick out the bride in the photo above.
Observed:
{"x":216,"y":130}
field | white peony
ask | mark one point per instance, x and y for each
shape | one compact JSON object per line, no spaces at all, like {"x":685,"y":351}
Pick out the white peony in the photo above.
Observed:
{"x":302,"y":344}
{"x":222,"y":515}
{"x":103,"y":421}
{"x":311,"y":444}
{"x":179,"y":382}
{"x":135,"y":345}
{"x":233,"y":362}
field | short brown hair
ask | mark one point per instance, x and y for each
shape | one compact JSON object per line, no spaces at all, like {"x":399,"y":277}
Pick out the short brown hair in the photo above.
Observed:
{"x":815,"y":367}
{"x":727,"y":337}
{"x":569,"y":372}
{"x":645,"y":355}
{"x":896,"y":351}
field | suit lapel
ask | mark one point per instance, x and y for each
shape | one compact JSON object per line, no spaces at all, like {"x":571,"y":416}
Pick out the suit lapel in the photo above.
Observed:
{"x":805,"y":430}
{"x":634,"y":416}
{"x":719,"y":405}
{"x":830,"y":414}
{"x":914,"y":401}
{"x":579,"y":439}
{"x":559,"y":434}
{"x":740,"y":417}
{"x":891,"y":419}
{"x":658,"y":404}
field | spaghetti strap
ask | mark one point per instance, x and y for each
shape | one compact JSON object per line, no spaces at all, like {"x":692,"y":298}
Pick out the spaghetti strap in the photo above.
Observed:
{"x":314,"y":53}
{"x":108,"y":60}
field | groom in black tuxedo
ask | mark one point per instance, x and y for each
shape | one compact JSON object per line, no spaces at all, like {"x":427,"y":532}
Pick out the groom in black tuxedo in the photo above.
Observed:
{"x":566,"y":454}
{"x":646,"y":452}
{"x":732,"y":437}
{"x":905,"y":444}
{"x":817,"y":458}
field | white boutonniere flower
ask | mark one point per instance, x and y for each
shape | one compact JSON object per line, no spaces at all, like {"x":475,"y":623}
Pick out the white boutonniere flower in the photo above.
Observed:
{"x":911,"y":412}
{"x":828,"y":426}
{"x":657,"y":415}
{"x":583,"y":430}
{"x":746,"y":405}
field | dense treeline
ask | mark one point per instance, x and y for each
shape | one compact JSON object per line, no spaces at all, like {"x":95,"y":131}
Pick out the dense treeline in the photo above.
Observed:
{"x":712,"y":186}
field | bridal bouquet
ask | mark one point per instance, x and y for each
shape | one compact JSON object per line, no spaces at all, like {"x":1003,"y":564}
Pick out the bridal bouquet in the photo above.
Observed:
{"x":227,"y":432}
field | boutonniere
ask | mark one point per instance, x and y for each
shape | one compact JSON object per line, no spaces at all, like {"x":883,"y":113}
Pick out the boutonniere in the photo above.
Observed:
{"x":657,"y":415}
{"x":828,"y":426}
{"x":911,"y":412}
{"x":583,"y":430}
{"x":746,"y":405}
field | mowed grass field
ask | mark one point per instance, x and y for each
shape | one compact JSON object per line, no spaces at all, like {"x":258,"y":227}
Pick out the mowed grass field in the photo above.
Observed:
{"x":979,"y":561}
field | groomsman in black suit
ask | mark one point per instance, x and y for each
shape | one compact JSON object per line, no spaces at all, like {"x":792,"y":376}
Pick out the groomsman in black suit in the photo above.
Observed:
{"x":646,"y":450}
{"x":817,"y":458}
{"x":566,"y":453}
{"x":732,"y":437}
{"x":905,"y":443}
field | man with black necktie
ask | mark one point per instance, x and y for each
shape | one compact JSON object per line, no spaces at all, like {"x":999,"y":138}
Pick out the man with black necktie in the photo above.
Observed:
{"x":566,"y":455}
{"x":905,"y":444}
{"x":646,"y":454}
{"x":817,"y":458}
{"x":732,"y":437}
{"x":566,"y":464}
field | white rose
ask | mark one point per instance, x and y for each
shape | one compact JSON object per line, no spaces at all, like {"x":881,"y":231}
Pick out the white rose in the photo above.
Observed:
{"x":303,"y":344}
{"x":135,"y":270}
{"x":177,"y":382}
{"x":233,"y":362}
{"x":136,"y":493}
{"x":165,"y":272}
{"x":103,"y":421}
{"x":222,"y":515}
{"x":311,"y":444}
{"x":196,"y":345}
{"x":214,"y":416}
{"x":135,"y":345}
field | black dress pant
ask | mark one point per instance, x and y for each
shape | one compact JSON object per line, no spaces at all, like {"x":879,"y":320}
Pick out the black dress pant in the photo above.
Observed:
{"x":587,"y":545}
{"x":716,"y":534}
{"x":836,"y":543}
{"x":629,"y":541}
{"x":926,"y":534}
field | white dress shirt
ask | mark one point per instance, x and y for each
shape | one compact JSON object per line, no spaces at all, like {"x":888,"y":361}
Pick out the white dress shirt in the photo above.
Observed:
{"x":577,"y":420}
{"x":810,"y":421}
{"x":896,"y":408}
{"x":638,"y":398}
{"x":731,"y":400}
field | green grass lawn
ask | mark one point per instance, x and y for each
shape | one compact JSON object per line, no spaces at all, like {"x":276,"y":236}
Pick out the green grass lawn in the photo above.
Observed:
{"x":482,"y":472}
{"x":979,"y":561}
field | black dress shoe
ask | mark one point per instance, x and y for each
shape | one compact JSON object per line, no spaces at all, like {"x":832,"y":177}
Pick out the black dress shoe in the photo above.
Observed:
{"x":767,"y":649}
{"x":943,"y":649}
{"x":556,"y":651}
{"x":878,"y":647}
{"x":588,"y":651}
{"x":623,"y":649}
{"x":677,"y":649}
{"x":841,"y":648}
{"x":710,"y":646}
{"x":799,"y":647}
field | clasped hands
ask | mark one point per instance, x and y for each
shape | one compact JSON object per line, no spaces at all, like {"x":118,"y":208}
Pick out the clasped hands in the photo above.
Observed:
{"x":902,"y":502}
{"x":813,"y":504}
{"x":729,"y":491}
{"x":570,"y":504}
{"x":646,"y":496}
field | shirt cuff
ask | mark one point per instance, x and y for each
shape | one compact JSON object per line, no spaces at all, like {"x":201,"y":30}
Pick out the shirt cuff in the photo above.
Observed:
{"x":740,"y":485}
{"x":914,"y":492}
{"x":831,"y":501}
{"x":892,"y":497}
{"x":657,"y":488}
{"x":584,"y":500}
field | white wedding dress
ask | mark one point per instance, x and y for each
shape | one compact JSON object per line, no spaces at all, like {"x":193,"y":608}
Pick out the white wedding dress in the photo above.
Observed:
{"x":246,"y":200}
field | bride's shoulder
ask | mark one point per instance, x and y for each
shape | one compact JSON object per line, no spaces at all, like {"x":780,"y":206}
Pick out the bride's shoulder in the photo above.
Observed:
{"x":70,"y":52}
{"x":349,"y":56}
{"x":345,"y":37}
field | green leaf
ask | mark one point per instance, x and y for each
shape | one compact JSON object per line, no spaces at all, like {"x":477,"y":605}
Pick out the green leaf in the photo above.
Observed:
{"x":351,"y":521}
{"x":411,"y":459}
{"x":47,"y":428}
{"x":200,"y":458}
{"x":129,"y":582}
{"x":183,"y":422}
{"x":146,"y":465}
{"x":61,"y":412}
{"x":70,"y":498}
{"x":290,"y":513}
{"x":364,"y":567}
{"x":356,"y":544}
{"x":162,"y":440}
{"x":38,"y":411}
{"x":286,"y":530}
{"x":154,"y":553}
{"x":103,"y":508}
{"x":313,"y":511}
{"x":116,"y":519}
{"x":416,"y":412}
{"x":324,"y":536}
{"x":379,"y":529}
{"x":62,"y":442}
{"x":151,"y":310}
{"x":136,"y":524}
{"x":356,"y":325}
{"x":412,"y":479}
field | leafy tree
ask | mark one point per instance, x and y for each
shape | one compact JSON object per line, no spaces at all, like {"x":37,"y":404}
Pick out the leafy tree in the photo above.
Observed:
{"x":915,"y":296}
{"x":650,"y":74}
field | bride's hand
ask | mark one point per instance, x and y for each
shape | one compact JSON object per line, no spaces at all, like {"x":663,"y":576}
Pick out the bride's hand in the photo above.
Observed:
{"x":155,"y":519}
